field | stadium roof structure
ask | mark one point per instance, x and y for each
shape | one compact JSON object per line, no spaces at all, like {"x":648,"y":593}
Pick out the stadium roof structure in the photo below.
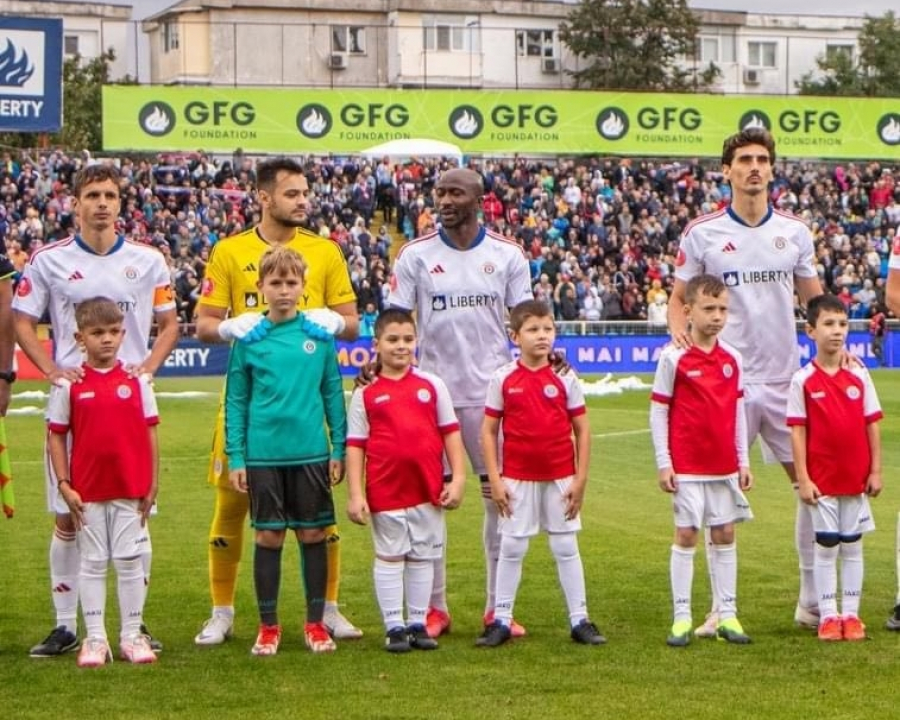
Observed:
{"x":414,"y":147}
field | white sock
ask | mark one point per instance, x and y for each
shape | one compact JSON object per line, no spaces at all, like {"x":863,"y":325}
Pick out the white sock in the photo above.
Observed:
{"x":93,"y":597}
{"x":851,"y":577}
{"x":439,"y":584}
{"x":564,"y":547}
{"x":223,"y":611}
{"x":132,"y":593}
{"x":805,"y":541}
{"x":726,"y":579}
{"x":509,"y":574}
{"x":65,"y":564}
{"x":711,"y":569}
{"x":681,"y":577}
{"x":419,"y":580}
{"x":389,"y":591}
{"x":826,"y":579}
{"x":490,"y":537}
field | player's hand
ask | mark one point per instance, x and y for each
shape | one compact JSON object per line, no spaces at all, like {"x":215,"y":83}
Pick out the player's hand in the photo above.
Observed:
{"x":668,"y":482}
{"x":559,"y":363}
{"x":146,"y":503}
{"x":452,"y":494}
{"x":850,"y":361}
{"x":366,"y":374}
{"x":808,"y":492}
{"x":874,"y":485}
{"x":335,"y":471}
{"x":358,"y":510}
{"x":248,"y":328}
{"x":500,"y":496}
{"x":238,"y":480}
{"x":574,"y":498}
{"x":745,"y":478}
{"x":682,"y":339}
{"x":72,"y":375}
{"x":328,"y":322}
{"x":73,"y":501}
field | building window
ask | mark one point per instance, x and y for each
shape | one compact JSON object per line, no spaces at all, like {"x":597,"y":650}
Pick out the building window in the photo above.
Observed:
{"x":449,"y":33}
{"x":716,"y":49}
{"x":835,"y":51}
{"x":349,"y":39}
{"x":70,"y":43}
{"x":761,"y":54}
{"x":536,"y":43}
{"x":170,"y":36}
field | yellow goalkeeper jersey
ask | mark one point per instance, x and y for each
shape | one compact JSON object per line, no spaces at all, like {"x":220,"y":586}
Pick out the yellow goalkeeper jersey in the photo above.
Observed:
{"x":233,"y":271}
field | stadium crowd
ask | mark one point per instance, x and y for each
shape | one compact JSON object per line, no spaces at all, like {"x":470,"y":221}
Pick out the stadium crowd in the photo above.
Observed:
{"x":601,"y":235}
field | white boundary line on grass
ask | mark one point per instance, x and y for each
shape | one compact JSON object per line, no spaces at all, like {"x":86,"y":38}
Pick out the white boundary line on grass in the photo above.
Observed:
{"x":622,"y":433}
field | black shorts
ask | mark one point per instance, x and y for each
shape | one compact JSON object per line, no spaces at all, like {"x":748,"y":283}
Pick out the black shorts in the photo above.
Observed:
{"x":290,"y":496}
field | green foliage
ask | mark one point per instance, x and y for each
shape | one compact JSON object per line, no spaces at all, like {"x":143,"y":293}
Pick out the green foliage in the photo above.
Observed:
{"x":82,"y":127}
{"x":635,"y":45}
{"x":785,"y":674}
{"x":875,"y":72}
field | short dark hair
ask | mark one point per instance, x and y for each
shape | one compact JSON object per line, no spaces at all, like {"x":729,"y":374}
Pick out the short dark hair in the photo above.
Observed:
{"x":267,"y":171}
{"x":823,"y":303}
{"x":705,"y":284}
{"x":748,"y":136}
{"x":393,"y":315}
{"x":95,"y":173}
{"x":527,"y":309}
{"x":97,"y":311}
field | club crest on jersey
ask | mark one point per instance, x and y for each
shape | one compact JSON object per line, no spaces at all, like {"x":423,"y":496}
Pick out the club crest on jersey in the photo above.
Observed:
{"x":251,"y":300}
{"x":731,"y":278}
{"x":488,"y":268}
{"x":123,"y":391}
{"x":727,"y":370}
{"x":423,"y":395}
{"x":439,"y":302}
{"x":551,"y":391}
{"x":853,"y":392}
{"x":309,"y":347}
{"x":24,"y":289}
{"x":780,"y":243}
{"x":207,"y":287}
{"x":131,"y":273}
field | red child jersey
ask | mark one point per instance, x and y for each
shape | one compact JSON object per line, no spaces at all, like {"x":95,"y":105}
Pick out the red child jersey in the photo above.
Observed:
{"x":400,"y":424}
{"x":702,"y":390}
{"x":108,"y":414}
{"x":836,"y":410}
{"x":536,"y":408}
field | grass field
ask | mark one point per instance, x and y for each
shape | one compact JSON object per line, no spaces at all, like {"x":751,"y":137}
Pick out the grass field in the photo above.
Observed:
{"x":785,"y":673}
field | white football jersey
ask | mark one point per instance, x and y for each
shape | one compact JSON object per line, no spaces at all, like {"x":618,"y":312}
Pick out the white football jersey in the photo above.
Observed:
{"x":65,"y":273}
{"x":758,"y":265}
{"x":461,"y":298}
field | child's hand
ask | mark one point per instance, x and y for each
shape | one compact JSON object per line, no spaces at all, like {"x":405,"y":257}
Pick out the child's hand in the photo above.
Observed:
{"x":335,"y":471}
{"x":874,"y":485}
{"x":574,"y":498}
{"x":745,"y":478}
{"x":452,"y":494}
{"x":808,"y":492}
{"x":73,"y":501}
{"x":146,"y":503}
{"x":501,"y":498}
{"x":238,"y":479}
{"x":667,"y":480}
{"x":358,"y":510}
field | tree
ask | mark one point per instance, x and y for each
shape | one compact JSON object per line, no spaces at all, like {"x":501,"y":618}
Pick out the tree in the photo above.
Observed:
{"x":874,"y":72}
{"x":82,"y":105}
{"x":635,"y":45}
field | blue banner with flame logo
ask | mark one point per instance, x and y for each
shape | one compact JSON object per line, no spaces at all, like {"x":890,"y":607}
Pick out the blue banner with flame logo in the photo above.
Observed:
{"x":30,"y":74}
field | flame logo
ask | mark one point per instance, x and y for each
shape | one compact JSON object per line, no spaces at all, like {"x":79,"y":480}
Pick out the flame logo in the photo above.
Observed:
{"x":754,"y":120}
{"x":466,"y":122}
{"x":157,"y":122}
{"x":157,"y":118}
{"x":14,"y":71}
{"x":612,"y":123}
{"x":314,"y":120}
{"x":889,"y":129}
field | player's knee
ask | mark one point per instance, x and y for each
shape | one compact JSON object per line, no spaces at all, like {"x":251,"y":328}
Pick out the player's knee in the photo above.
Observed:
{"x":93,"y":569}
{"x":564,"y":546}
{"x":513,"y":548}
{"x":828,"y":540}
{"x":311,"y":536}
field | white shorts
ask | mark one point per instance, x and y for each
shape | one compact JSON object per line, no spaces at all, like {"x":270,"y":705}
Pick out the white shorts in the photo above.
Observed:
{"x":843,"y":515}
{"x":710,"y":503}
{"x":536,"y":506}
{"x":417,"y":532}
{"x":113,"y":530}
{"x":470,"y":420}
{"x":766,"y":409}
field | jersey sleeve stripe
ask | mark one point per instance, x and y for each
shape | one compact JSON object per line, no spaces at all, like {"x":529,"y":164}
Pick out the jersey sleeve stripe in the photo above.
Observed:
{"x":417,"y":241}
{"x":874,"y":417}
{"x":52,"y":246}
{"x":577,"y":411}
{"x":449,"y":428}
{"x":792,"y":421}
{"x":702,"y":219}
{"x":660,"y":398}
{"x":356,"y":442}
{"x":491,"y":412}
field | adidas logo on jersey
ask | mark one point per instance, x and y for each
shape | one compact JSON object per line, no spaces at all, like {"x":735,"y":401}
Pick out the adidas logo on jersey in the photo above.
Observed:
{"x":437,"y":270}
{"x":76,"y":276}
{"x":250,"y":267}
{"x":729,"y":247}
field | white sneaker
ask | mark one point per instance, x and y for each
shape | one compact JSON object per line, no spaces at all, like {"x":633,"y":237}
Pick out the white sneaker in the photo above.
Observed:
{"x":806,"y":617}
{"x":709,"y":628}
{"x":216,"y":630}
{"x":136,"y":649}
{"x":339,"y":626}
{"x":94,"y":653}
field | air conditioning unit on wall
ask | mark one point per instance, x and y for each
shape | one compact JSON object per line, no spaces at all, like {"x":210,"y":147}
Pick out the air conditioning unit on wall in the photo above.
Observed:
{"x":337,"y":61}
{"x":752,"y":76}
{"x":550,"y":66}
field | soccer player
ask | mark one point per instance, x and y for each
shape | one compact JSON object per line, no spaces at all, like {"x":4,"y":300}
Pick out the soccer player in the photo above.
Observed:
{"x":92,"y":263}
{"x":833,"y":414}
{"x":544,"y":475}
{"x":280,"y":394}
{"x":7,"y":332}
{"x":400,"y":426}
{"x":892,"y":300}
{"x":461,"y":279}
{"x":111,"y":481}
{"x":763,"y":256}
{"x":700,"y":439}
{"x":229,"y":309}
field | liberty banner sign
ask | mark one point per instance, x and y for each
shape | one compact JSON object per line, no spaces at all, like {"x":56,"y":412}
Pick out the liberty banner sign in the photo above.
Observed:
{"x":30,"y":74}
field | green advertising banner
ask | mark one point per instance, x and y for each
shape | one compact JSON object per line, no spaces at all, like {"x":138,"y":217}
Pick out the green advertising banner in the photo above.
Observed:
{"x":492,"y":122}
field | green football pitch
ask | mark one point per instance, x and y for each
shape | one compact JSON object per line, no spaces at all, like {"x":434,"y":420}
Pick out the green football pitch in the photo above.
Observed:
{"x":785,"y":673}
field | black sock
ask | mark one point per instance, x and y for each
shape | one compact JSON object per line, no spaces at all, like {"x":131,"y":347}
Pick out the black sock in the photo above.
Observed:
{"x":314,"y":568}
{"x":267,"y":578}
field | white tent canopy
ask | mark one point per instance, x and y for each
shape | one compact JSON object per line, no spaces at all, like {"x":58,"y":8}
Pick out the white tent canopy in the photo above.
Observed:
{"x":415,"y":147}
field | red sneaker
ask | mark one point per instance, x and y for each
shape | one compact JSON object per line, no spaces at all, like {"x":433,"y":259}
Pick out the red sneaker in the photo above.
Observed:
{"x":437,"y":622}
{"x":831,"y":629}
{"x":515,"y":630}
{"x":317,"y":638}
{"x":267,"y":640}
{"x":853,"y":628}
